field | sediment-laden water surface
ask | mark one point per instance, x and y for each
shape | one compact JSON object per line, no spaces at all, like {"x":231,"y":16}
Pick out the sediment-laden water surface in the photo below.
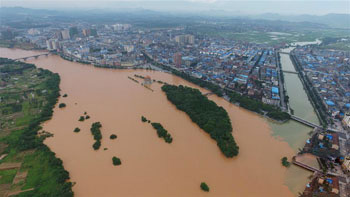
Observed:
{"x":151,"y":167}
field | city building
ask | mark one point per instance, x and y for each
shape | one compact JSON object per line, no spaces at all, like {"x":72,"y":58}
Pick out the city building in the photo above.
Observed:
{"x":346,"y":120}
{"x":129,"y":48}
{"x":73,"y":31}
{"x":52,"y":44}
{"x":33,"y":32}
{"x":147,"y":80}
{"x":58,"y":35}
{"x":86,"y":32}
{"x":346,"y":164}
{"x":177,"y":59}
{"x":65,"y":34}
{"x":184,"y":39}
{"x":121,"y":27}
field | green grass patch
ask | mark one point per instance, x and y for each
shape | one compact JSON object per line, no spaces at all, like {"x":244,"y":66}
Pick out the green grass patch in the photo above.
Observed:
{"x":7,"y":176}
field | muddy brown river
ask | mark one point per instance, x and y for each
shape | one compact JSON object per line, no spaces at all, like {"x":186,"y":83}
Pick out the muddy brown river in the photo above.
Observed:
{"x":151,"y":167}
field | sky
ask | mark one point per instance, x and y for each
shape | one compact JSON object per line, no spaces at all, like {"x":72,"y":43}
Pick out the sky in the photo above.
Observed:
{"x":232,"y":7}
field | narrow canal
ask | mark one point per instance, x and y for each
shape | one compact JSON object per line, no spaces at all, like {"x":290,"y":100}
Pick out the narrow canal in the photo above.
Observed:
{"x":295,"y":134}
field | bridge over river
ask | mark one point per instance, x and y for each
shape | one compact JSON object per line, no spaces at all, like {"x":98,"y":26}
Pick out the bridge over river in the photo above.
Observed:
{"x":283,"y":52}
{"x":288,"y":71}
{"x":33,"y":56}
{"x":310,"y":124}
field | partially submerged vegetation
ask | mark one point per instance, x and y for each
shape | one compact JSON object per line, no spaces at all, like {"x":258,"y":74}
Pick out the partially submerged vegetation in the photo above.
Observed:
{"x":285,"y":162}
{"x":113,"y":136}
{"x":204,"y":187}
{"x":116,"y":161}
{"x":257,"y":106}
{"x":62,"y":105}
{"x":96,"y":132}
{"x":35,"y":92}
{"x":82,"y":118}
{"x":206,"y":114}
{"x":76,"y":130}
{"x":143,"y":119}
{"x":162,"y":133}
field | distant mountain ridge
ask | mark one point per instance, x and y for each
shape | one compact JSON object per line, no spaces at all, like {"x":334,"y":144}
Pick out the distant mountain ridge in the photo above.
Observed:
{"x":330,"y":20}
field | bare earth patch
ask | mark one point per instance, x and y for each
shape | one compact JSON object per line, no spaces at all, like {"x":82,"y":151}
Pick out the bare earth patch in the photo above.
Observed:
{"x":9,"y":166}
{"x":20,"y":176}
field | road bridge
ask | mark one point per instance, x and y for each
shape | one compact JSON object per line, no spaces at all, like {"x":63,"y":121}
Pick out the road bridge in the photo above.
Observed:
{"x":284,"y":53}
{"x":303,"y":121}
{"x":33,"y":56}
{"x":300,"y":164}
{"x":310,"y":124}
{"x":288,"y":71}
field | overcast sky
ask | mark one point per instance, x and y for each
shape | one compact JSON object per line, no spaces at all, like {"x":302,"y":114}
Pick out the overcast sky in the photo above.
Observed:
{"x":318,"y":7}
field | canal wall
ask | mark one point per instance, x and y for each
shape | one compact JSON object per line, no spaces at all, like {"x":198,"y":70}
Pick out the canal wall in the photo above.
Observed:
{"x":308,"y":89}
{"x":284,"y":96}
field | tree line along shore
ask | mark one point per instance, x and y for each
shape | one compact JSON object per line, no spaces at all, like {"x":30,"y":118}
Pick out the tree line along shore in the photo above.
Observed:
{"x":21,"y":141}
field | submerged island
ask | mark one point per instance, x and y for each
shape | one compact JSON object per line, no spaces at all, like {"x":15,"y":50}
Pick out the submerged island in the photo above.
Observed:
{"x":96,"y":132}
{"x":161,"y":132}
{"x":206,"y":114}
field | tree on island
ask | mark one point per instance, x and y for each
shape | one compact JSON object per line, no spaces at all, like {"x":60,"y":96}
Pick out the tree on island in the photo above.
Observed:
{"x":204,"y":187}
{"x":210,"y":117}
{"x":96,"y":132}
{"x":61,"y":105}
{"x":116,"y":161}
{"x":162,"y":133}
{"x":96,"y":145}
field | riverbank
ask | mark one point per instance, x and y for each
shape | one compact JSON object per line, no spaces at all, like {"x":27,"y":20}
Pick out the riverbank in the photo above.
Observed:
{"x":37,"y":171}
{"x":169,"y":166}
{"x":19,"y":45}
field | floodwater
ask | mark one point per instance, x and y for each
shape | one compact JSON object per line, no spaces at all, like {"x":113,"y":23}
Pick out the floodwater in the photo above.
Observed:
{"x":151,"y":167}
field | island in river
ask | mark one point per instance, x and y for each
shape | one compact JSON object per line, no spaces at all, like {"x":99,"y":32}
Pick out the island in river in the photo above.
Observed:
{"x":150,"y":166}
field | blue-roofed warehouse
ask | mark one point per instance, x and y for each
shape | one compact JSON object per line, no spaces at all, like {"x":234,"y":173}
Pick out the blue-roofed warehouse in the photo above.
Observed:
{"x":274,"y":90}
